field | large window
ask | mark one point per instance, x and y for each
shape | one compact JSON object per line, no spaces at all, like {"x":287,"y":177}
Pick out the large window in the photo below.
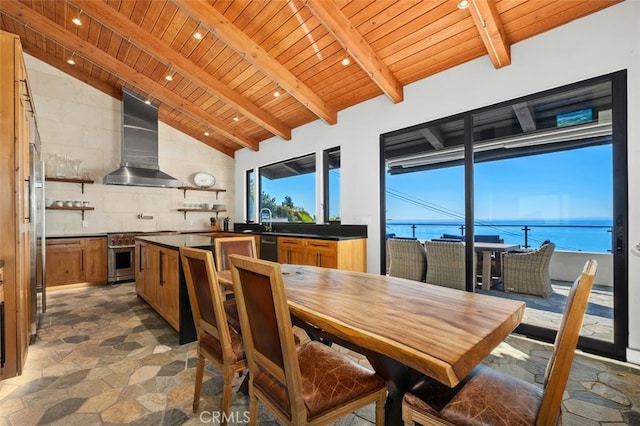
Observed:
{"x":549,"y":167}
{"x":251,"y":202}
{"x":287,"y":190}
{"x":332,"y":185}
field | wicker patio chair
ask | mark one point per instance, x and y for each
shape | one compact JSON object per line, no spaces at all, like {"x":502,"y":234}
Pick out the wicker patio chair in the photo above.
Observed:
{"x":407,"y":259}
{"x":528,"y":272}
{"x":445,"y":262}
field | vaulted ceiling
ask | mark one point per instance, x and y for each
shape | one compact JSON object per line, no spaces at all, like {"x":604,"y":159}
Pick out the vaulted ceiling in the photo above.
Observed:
{"x":223,"y":83}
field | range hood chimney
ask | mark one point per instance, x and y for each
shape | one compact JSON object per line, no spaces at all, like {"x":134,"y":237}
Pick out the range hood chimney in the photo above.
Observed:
{"x":139,"y":153}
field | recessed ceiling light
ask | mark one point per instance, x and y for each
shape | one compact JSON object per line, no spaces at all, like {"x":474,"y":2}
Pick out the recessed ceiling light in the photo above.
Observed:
{"x":235,"y":118}
{"x":168,"y":77}
{"x":197,"y":35}
{"x":346,"y":61}
{"x":463,"y":4}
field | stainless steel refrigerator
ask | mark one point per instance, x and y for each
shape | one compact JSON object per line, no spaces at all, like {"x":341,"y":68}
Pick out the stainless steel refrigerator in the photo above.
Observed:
{"x":37,"y":227}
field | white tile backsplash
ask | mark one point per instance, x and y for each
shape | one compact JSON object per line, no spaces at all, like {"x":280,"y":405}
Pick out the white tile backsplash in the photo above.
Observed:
{"x":83,"y":123}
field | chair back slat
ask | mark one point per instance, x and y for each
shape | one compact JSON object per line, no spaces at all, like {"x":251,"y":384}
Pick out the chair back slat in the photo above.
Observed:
{"x":205,"y":297}
{"x":266,"y":324}
{"x":225,"y":246}
{"x":559,"y":365}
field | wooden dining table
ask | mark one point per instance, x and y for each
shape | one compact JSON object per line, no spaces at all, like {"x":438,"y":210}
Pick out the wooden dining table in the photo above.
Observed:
{"x":440,"y":332}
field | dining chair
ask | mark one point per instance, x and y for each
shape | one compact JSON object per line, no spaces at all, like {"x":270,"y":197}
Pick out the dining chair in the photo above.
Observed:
{"x":308,"y":384}
{"x":487,"y":396}
{"x":407,"y":259}
{"x":223,"y":247}
{"x":528,"y":272}
{"x":445,"y":264}
{"x":217,"y":341}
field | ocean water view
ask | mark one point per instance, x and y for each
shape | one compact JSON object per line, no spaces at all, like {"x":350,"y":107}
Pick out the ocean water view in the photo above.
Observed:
{"x":588,"y":235}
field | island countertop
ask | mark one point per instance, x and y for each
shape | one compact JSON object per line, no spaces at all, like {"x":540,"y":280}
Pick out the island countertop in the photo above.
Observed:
{"x":180,"y":240}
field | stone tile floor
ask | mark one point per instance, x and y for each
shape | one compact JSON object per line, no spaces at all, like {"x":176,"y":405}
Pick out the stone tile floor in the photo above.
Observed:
{"x":547,"y":312}
{"x":102,"y":356}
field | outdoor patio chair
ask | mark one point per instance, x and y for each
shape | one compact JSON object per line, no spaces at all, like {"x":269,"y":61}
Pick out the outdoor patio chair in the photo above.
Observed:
{"x":407,"y":259}
{"x":528,"y":272}
{"x":490,"y":397}
{"x":445,"y":262}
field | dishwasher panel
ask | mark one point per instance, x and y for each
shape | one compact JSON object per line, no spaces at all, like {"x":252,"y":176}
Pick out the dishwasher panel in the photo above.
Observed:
{"x":269,"y":248}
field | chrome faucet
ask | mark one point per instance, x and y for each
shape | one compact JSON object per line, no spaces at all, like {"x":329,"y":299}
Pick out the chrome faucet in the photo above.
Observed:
{"x":268,"y":226}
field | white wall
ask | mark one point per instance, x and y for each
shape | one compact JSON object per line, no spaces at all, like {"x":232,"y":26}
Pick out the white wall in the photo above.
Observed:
{"x":83,"y":123}
{"x":598,"y":44}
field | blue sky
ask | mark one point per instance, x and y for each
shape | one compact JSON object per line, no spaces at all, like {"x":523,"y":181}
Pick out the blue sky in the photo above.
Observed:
{"x":556,"y":187}
{"x":561,"y":186}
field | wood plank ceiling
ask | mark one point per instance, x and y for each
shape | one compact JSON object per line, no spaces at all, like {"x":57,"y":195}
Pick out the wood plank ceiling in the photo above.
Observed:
{"x":223,"y":84}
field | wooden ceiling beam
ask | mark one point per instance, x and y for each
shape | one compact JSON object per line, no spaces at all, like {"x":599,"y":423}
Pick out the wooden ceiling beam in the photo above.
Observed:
{"x":73,"y":71}
{"x":330,"y":16}
{"x":225,"y":31}
{"x":111,"y":18}
{"x":487,"y":20}
{"x":57,"y":33}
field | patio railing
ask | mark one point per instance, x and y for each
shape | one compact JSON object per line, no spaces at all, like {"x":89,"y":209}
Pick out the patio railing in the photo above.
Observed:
{"x":591,"y":238}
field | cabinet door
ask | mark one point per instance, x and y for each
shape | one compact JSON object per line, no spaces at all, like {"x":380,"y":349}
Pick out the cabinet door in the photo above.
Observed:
{"x":65,"y":261}
{"x":322,"y":253}
{"x":291,"y":250}
{"x":168,"y":292}
{"x":95,"y":258}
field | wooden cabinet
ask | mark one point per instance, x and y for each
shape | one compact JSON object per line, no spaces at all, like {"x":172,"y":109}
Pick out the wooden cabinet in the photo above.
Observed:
{"x":95,"y":257}
{"x":76,"y":261}
{"x":322,"y":253}
{"x":343,"y":254}
{"x":292,"y":250}
{"x":15,"y":116}
{"x":158,"y":280}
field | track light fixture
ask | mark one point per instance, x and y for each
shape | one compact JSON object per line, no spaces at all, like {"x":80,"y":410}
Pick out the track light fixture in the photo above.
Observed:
{"x":346,"y":60}
{"x":76,"y":20}
{"x":277,"y":92}
{"x":71,"y":61}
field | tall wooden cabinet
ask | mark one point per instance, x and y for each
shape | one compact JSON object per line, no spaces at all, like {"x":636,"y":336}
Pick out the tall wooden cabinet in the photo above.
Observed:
{"x":158,"y":280}
{"x":15,"y":113}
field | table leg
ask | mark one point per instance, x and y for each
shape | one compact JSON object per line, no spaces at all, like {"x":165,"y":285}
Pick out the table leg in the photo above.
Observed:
{"x":486,"y":270}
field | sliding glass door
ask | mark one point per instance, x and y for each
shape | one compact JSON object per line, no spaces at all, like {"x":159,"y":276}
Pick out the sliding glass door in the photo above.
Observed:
{"x":543,"y":181}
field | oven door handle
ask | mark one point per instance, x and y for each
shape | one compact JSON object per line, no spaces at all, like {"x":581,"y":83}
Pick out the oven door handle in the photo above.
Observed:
{"x":120,"y":247}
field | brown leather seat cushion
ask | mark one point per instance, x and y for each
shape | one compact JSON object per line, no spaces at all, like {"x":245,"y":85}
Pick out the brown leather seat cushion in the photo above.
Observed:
{"x":212,"y":345}
{"x":329,"y":379}
{"x":484,"y":397}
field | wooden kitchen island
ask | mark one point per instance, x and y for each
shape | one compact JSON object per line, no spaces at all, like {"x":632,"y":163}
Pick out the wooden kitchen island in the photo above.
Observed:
{"x":160,"y":279}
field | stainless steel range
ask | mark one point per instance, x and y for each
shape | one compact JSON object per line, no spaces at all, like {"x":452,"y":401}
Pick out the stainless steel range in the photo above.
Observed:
{"x":121,"y":251}
{"x":121,"y":261}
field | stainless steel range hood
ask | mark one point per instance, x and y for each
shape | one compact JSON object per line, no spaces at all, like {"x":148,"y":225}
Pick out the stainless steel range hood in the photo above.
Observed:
{"x":139,"y":154}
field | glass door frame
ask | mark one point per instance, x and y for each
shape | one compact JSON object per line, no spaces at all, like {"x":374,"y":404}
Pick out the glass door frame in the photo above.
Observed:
{"x":617,"y":348}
